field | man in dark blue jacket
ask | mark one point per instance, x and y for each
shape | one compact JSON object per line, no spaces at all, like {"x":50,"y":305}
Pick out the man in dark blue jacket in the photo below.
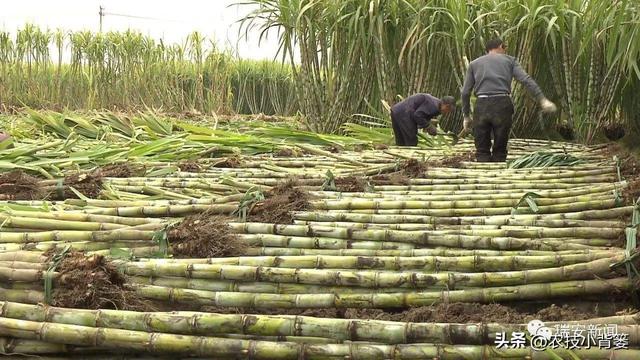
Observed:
{"x":416,"y":112}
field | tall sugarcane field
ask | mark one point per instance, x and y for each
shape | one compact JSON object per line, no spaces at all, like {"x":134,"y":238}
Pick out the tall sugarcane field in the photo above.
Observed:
{"x":179,"y":201}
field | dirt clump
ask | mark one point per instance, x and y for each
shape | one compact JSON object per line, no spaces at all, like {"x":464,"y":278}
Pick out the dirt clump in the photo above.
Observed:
{"x":280,"y":203}
{"x":92,"y":282}
{"x":414,"y":168}
{"x":18,"y":185}
{"x":191,"y":166}
{"x":566,"y":131}
{"x":204,"y":235}
{"x":380,"y":146}
{"x":88,"y":184}
{"x":231,"y":162}
{"x":350,"y":184}
{"x":395,"y":178}
{"x":122,"y":170}
{"x":335,"y":149}
{"x":631,"y":193}
{"x":454,"y":161}
{"x":286,"y":152}
{"x":614,"y":132}
{"x":629,"y":165}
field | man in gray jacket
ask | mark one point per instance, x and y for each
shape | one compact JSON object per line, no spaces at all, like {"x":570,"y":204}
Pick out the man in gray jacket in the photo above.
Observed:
{"x":490,"y":76}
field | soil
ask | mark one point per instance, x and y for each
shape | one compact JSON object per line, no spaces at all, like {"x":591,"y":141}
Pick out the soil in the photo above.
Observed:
{"x":189,"y":166}
{"x":335,"y":149}
{"x":380,"y":146}
{"x":614,"y":132}
{"x":631,"y":193}
{"x":229,"y":163}
{"x":204,"y":236}
{"x":629,"y":165}
{"x":396,"y":178}
{"x":414,"y":168}
{"x":93,"y":283}
{"x":18,"y":185}
{"x":280,"y":203}
{"x":285,"y":152}
{"x":350,"y":184}
{"x":88,"y":184}
{"x":454,"y":161}
{"x":124,"y":170}
{"x":442,"y":313}
{"x":566,"y":132}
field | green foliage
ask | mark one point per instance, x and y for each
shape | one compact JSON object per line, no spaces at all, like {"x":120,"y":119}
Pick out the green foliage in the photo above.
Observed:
{"x":544,"y":159}
{"x":583,"y":53}
{"x":131,"y":71}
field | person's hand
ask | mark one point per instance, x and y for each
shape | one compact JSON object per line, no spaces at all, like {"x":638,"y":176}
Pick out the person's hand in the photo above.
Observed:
{"x":547,"y":106}
{"x":431,"y":130}
{"x":466,"y":124}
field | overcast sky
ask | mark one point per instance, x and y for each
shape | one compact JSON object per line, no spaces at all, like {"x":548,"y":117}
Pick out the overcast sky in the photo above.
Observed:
{"x":172,"y":20}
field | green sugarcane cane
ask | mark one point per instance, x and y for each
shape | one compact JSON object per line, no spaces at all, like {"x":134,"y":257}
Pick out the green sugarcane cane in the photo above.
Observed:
{"x":424,"y":263}
{"x":368,"y":279}
{"x":221,"y":347}
{"x":387,"y":332}
{"x":448,"y":252}
{"x":390,"y":300}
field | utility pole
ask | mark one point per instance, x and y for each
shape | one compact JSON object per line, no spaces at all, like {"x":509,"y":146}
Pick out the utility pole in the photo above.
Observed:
{"x":101,"y":13}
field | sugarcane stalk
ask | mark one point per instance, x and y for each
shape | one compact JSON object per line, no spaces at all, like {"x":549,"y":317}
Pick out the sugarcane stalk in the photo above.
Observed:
{"x":448,"y":252}
{"x":463,"y":263}
{"x":463,"y":239}
{"x":364,"y":278}
{"x":389,"y":300}
{"x":109,"y":338}
{"x":355,"y":204}
{"x":546,"y":220}
{"x":387,"y":332}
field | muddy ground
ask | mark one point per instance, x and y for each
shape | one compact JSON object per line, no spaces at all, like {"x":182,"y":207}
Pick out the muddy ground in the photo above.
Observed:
{"x":451,"y":313}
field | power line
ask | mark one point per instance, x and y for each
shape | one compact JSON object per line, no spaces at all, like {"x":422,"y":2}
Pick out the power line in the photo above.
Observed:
{"x":139,"y":17}
{"x":102,"y":13}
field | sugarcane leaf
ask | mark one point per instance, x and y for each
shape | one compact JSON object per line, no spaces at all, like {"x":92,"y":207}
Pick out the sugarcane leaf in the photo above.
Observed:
{"x":329,"y":183}
{"x":526,"y":199}
{"x":78,"y":193}
{"x":532,"y":204}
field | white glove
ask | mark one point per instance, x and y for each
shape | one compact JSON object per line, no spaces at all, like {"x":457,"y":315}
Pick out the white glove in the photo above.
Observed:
{"x":547,"y":106}
{"x":466,"y":124}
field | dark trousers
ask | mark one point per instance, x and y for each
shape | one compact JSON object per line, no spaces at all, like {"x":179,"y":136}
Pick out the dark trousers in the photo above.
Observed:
{"x":492,"y":116}
{"x":405,"y":129}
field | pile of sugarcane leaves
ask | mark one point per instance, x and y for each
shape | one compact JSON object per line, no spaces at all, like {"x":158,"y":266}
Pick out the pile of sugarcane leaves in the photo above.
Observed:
{"x":328,"y":251}
{"x":545,"y":159}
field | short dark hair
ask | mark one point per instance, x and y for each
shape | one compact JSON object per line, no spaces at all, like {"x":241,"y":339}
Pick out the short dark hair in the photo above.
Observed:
{"x":493,"y":44}
{"x":449,"y":100}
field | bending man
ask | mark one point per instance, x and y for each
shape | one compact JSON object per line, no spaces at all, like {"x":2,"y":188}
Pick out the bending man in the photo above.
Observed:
{"x":490,"y":76}
{"x":416,"y":112}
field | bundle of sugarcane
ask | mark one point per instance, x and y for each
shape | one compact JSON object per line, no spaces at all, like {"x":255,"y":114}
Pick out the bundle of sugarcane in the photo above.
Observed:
{"x":341,"y":281}
{"x":348,"y":330}
{"x":224,"y":347}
